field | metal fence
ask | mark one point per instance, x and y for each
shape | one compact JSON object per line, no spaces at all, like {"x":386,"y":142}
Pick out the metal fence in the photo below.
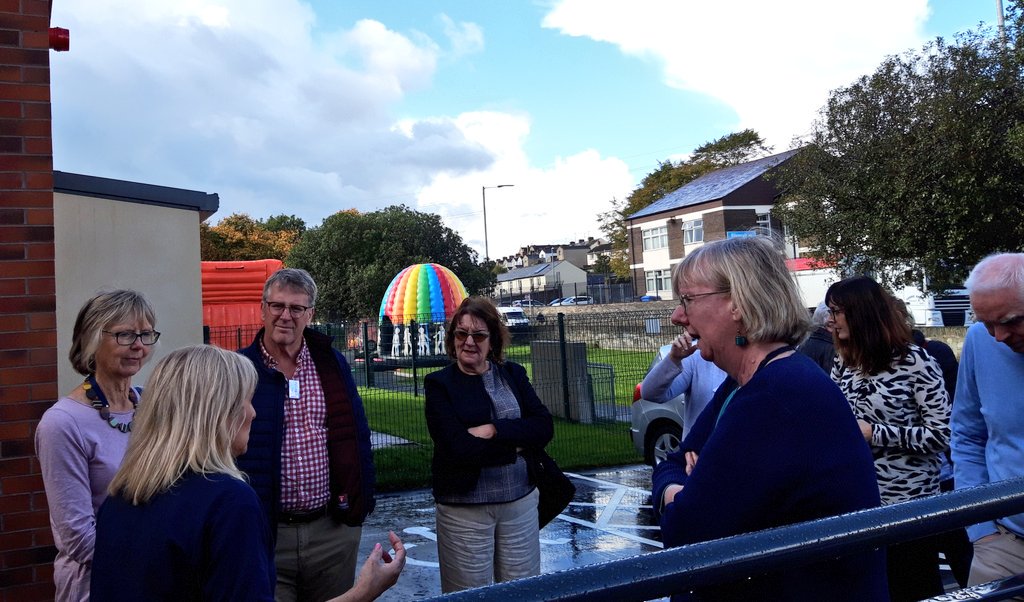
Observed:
{"x":584,"y":367}
{"x":677,"y":570}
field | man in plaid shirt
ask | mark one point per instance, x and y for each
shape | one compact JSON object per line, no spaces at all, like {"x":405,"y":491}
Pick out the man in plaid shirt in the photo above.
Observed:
{"x":309,"y":455}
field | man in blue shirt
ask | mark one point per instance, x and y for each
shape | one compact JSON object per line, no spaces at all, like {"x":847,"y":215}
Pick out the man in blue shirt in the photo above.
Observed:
{"x":988,"y":421}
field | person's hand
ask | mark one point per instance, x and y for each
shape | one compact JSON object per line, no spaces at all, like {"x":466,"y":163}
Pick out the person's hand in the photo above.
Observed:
{"x":379,"y":572}
{"x":682,"y":346}
{"x":691,"y":461}
{"x":484,"y":431}
{"x":670,"y":494}
{"x":865,"y":429}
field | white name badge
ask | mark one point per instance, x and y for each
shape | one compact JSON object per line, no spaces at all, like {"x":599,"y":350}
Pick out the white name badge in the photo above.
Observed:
{"x":293,"y":388}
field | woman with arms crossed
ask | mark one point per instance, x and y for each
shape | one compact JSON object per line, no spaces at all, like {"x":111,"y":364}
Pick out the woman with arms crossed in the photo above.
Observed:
{"x":81,"y":438}
{"x":482,"y":413}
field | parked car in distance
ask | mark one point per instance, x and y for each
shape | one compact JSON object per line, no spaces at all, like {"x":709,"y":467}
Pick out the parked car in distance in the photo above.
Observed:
{"x":528,"y":303}
{"x":514,"y":318}
{"x":578,"y":300}
{"x":647,"y":298}
{"x":557,"y":301}
{"x":656,"y":428}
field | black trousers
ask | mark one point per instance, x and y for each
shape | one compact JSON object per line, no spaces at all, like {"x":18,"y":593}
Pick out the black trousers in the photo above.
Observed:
{"x":913,"y":569}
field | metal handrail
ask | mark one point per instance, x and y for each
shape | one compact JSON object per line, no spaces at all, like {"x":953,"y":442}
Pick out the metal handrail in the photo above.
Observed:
{"x":665,"y":572}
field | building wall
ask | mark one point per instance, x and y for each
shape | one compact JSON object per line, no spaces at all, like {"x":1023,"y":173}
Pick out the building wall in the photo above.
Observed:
{"x":103,"y":244}
{"x":28,"y":336}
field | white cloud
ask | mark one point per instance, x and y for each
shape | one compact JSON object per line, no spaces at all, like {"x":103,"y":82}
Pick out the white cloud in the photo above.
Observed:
{"x":772,"y":62}
{"x":546,"y":205}
{"x":239,"y":97}
{"x":466,"y":38}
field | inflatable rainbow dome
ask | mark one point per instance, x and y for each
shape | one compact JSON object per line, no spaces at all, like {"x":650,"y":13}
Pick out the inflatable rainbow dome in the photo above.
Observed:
{"x":425,"y":292}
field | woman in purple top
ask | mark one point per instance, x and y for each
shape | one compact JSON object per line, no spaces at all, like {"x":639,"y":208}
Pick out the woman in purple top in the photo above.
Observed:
{"x":82,"y":438}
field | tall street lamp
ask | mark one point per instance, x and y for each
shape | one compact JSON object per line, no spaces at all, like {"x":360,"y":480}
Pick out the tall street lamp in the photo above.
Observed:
{"x":483,"y":192}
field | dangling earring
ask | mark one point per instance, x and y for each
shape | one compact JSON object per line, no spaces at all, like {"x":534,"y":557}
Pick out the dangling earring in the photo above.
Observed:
{"x":741,"y":339}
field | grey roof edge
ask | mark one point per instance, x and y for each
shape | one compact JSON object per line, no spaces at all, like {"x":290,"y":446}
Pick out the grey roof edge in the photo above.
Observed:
{"x":756,"y":168}
{"x":525,"y":271}
{"x":206,"y":203}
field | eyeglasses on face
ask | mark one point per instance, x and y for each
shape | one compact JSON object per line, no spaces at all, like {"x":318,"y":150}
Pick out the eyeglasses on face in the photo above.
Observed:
{"x":277,"y":309}
{"x":479,"y":336}
{"x":686,"y":300}
{"x":127,"y":338}
{"x":833,"y":312}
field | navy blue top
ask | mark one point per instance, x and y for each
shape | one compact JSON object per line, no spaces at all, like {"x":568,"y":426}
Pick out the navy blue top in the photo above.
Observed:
{"x":786,"y":449}
{"x":206,"y":538}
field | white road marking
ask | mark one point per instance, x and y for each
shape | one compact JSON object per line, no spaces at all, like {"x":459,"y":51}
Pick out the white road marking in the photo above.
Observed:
{"x":603,"y":522}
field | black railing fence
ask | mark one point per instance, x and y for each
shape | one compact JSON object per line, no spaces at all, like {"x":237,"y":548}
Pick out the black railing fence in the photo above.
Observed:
{"x":584,"y":367}
{"x":663,"y":573}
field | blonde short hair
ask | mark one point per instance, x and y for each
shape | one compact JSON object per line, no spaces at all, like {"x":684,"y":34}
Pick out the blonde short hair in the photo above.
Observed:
{"x":97,"y":314}
{"x":190,"y":412}
{"x":754,"y":273}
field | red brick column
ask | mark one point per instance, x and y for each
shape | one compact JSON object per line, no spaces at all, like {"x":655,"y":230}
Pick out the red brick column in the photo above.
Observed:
{"x":28,"y":336}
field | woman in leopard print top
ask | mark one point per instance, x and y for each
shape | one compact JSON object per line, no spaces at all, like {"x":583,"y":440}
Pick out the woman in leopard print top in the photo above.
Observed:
{"x":896,"y":392}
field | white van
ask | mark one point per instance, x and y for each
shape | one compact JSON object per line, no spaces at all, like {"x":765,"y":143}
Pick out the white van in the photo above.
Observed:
{"x":514,"y":318}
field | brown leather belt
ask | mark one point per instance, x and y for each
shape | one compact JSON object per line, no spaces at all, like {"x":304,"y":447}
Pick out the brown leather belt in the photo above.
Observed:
{"x":301,"y":517}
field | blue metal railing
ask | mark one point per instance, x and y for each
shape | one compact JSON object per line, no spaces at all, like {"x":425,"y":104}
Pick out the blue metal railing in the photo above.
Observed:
{"x":665,"y":572}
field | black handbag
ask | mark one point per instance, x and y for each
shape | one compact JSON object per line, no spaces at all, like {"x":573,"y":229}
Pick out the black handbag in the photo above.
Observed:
{"x":556,"y":490}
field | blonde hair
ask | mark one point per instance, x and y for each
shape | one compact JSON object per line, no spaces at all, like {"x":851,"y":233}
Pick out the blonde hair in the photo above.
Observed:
{"x":97,"y":314}
{"x":753,"y":271}
{"x":190,"y":412}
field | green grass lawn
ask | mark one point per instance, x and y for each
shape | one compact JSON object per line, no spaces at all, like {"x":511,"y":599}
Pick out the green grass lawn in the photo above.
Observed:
{"x":575,"y":446}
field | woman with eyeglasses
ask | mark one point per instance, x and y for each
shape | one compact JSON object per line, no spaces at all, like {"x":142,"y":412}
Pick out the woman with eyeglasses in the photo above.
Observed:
{"x":897,"y":394}
{"x":778,"y":444}
{"x":181,"y":522}
{"x":82,"y":438}
{"x":482,"y":413}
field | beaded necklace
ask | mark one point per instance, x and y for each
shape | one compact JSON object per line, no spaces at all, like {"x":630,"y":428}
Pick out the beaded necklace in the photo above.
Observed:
{"x":99,"y":401}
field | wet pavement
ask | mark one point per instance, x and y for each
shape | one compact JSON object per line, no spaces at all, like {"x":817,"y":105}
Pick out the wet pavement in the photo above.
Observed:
{"x":609,"y":519}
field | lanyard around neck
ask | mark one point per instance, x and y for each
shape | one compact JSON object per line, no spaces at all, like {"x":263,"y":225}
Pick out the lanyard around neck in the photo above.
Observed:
{"x":767,"y":359}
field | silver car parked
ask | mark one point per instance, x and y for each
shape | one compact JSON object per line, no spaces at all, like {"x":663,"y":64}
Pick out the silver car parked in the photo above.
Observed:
{"x":656,"y":428}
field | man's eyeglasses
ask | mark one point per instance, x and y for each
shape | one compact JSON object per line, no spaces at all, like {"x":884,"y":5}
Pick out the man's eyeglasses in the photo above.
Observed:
{"x":127,"y":338}
{"x":277,"y":309}
{"x":686,"y":300}
{"x":478,"y":337}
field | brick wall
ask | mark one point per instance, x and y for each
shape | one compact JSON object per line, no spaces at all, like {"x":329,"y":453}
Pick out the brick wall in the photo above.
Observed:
{"x":28,"y":337}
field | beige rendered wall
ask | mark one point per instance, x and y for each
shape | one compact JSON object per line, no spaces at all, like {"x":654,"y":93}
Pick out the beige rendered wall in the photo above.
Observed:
{"x":101,"y":244}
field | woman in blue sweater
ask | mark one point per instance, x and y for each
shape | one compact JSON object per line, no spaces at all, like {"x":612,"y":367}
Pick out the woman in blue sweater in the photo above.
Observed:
{"x":778,"y":444}
{"x":181,"y":523}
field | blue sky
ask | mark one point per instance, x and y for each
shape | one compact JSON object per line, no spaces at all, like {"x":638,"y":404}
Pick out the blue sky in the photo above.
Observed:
{"x":307,"y":108}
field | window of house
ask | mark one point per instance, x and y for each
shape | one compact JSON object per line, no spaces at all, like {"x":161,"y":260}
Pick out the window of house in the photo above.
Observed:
{"x":658,"y":280}
{"x":693,"y":231}
{"x":655,"y":238}
{"x":764,"y":223}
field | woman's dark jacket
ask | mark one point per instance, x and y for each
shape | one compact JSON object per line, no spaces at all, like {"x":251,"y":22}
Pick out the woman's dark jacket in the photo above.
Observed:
{"x":456,"y":401}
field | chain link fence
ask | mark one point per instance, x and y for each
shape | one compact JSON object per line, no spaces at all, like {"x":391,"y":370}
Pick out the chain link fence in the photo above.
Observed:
{"x":584,"y":367}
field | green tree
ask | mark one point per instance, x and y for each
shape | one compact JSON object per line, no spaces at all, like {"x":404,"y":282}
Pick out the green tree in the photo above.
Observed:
{"x":239,"y":237}
{"x":354,"y":256}
{"x":918,"y":168}
{"x":731,"y":149}
{"x":280,"y":223}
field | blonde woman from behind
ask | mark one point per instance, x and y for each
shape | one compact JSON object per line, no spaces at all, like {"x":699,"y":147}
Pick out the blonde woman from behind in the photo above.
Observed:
{"x":181,"y":522}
